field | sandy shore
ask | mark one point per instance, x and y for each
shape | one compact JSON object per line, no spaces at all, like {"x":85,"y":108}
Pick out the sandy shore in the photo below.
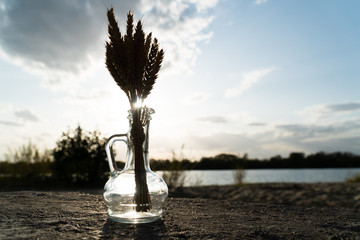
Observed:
{"x":345,"y":195}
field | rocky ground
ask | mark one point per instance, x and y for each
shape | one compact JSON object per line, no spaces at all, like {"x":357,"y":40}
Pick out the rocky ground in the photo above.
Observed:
{"x":256,"y":211}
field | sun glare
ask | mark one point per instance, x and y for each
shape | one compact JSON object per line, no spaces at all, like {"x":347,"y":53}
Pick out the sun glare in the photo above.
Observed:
{"x":138,"y":103}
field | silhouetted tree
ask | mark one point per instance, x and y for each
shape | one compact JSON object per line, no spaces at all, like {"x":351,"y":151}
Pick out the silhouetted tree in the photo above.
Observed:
{"x":80,"y":158}
{"x":297,"y":159}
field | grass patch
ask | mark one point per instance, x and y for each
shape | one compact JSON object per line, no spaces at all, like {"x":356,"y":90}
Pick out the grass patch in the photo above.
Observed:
{"x":354,"y":178}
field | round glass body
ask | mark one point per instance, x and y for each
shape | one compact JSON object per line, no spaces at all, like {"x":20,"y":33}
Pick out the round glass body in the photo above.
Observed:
{"x":120,"y":189}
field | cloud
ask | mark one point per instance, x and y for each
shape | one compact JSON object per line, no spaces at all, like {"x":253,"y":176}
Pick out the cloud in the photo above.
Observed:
{"x":283,"y":139}
{"x":197,"y":97}
{"x":330,"y":110}
{"x":202,"y":5}
{"x":179,"y":26}
{"x":224,"y":143}
{"x":56,"y":40}
{"x":8,"y":123}
{"x":307,"y":134}
{"x":345,"y":107}
{"x":259,"y":2}
{"x":343,"y":144}
{"x":95,"y":94}
{"x":303,"y":131}
{"x":213,"y":119}
{"x":59,"y":40}
{"x":324,"y":142}
{"x":257,"y":124}
{"x":91,"y":97}
{"x":4,"y":107}
{"x":248,"y":80}
{"x":26,"y":115}
{"x":53,"y":34}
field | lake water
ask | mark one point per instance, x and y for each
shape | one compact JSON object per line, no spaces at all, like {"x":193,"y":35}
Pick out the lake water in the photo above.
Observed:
{"x":225,"y":177}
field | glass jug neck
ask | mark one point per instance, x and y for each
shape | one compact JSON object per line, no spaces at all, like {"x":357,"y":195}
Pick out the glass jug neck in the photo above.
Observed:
{"x":145,"y":117}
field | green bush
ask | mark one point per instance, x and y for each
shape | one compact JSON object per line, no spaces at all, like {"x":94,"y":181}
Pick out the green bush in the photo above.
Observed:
{"x":80,"y":158}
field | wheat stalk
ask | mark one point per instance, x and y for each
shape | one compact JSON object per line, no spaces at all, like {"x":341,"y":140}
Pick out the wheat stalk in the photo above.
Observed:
{"x":134,"y":61}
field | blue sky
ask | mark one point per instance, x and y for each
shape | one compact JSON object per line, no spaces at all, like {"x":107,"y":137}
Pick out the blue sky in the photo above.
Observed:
{"x":261,"y":77}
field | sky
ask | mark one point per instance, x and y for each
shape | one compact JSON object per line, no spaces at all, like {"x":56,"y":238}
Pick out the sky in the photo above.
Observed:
{"x":260,"y":77}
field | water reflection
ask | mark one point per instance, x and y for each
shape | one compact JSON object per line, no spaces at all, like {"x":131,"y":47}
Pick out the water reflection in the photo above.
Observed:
{"x":226,"y":177}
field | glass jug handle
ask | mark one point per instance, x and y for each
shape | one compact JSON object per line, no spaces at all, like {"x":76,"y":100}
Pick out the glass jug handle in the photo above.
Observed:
{"x":109,"y":149}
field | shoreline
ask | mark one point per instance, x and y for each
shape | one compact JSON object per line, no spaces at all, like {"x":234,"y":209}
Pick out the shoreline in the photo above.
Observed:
{"x":297,"y":194}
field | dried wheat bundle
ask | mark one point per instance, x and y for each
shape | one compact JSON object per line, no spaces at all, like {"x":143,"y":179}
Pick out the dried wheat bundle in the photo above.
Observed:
{"x":134,"y":61}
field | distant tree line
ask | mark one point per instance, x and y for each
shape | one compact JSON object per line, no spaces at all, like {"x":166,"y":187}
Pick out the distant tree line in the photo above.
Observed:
{"x":295,"y":160}
{"x":79,"y":159}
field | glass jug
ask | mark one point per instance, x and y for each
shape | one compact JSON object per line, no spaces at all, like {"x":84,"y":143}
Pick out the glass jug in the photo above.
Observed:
{"x":120,"y":189}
